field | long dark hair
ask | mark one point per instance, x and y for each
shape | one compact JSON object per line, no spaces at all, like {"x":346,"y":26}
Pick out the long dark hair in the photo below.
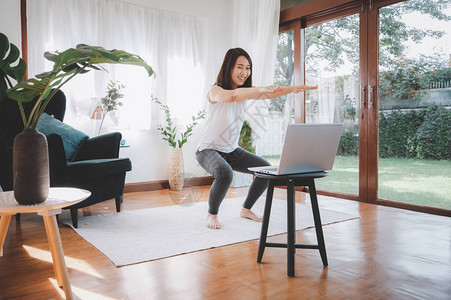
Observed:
{"x":224,"y":78}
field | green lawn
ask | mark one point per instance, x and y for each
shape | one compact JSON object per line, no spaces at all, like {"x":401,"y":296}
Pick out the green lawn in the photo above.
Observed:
{"x":416,"y":181}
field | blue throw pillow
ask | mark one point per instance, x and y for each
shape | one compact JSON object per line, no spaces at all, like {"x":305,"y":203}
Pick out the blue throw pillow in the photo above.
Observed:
{"x":72,"y":138}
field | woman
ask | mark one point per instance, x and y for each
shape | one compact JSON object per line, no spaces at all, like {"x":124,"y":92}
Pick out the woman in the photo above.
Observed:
{"x":218,"y":152}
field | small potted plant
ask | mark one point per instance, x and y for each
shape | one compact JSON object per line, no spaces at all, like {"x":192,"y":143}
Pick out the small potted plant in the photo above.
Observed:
{"x":169,"y":132}
{"x":111,"y":101}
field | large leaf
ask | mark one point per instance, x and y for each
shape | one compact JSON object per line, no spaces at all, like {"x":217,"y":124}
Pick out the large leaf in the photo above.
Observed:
{"x":106,"y":54}
{"x":132,"y":59}
{"x":26,"y":91}
{"x":66,"y":58}
{"x":99,"y":55}
{"x":50,"y":56}
{"x":89,"y":56}
{"x":9,"y":66}
{"x":86,"y":50}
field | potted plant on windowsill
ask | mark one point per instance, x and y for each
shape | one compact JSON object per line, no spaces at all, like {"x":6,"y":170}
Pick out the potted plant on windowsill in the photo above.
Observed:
{"x":31,"y":183}
{"x":176,"y":165}
{"x":111,"y":101}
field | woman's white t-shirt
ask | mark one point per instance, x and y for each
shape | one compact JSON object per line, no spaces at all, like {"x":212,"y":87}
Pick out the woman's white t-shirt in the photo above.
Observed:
{"x":223,"y":126}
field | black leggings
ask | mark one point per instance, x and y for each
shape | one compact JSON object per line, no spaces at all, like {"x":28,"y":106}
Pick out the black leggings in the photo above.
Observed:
{"x":221,"y":166}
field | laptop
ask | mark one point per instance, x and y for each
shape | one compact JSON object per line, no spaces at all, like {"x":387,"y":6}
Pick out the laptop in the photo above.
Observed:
{"x":307,"y":148}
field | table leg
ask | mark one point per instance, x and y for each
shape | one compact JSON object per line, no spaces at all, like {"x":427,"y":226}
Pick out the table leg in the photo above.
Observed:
{"x":52,"y":243}
{"x":265,"y":224}
{"x":4,"y":224}
{"x":56,"y":248}
{"x":291,"y":238}
{"x":318,"y":225}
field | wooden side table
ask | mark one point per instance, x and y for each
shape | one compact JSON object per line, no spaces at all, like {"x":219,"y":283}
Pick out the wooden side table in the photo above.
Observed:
{"x":58,"y":199}
{"x":290,"y":181}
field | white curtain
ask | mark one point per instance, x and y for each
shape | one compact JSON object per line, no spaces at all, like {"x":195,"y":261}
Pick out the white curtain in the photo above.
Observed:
{"x":174,"y":45}
{"x":255,"y":29}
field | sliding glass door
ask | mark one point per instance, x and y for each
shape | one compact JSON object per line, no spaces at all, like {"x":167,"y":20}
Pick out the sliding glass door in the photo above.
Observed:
{"x":414,"y":103}
{"x":332,"y":63}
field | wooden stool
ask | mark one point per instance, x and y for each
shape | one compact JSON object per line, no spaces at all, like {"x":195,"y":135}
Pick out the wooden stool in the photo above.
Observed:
{"x":290,"y":181}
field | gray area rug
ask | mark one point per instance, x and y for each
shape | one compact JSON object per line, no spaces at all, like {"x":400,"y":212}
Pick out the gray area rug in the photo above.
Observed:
{"x":131,"y":237}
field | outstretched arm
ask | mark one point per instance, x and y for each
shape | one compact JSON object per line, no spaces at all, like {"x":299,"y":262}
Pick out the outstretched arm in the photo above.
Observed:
{"x":218,"y":94}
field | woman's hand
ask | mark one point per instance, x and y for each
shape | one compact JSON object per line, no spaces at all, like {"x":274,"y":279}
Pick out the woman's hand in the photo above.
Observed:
{"x":302,"y":88}
{"x":270,"y":89}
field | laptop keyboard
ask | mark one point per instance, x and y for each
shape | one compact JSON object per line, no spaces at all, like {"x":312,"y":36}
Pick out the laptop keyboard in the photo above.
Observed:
{"x":273,"y":168}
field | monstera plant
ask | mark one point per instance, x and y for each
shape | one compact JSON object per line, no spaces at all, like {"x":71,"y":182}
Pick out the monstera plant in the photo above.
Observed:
{"x":66,"y":65}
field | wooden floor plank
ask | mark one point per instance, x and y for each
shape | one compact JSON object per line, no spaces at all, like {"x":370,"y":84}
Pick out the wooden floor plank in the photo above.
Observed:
{"x":387,"y":253}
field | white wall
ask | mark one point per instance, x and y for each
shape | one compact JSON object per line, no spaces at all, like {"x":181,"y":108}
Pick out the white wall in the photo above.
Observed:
{"x":148,"y":152}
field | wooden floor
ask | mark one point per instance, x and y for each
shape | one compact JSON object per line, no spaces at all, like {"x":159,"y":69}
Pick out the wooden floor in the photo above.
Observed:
{"x":387,"y":253}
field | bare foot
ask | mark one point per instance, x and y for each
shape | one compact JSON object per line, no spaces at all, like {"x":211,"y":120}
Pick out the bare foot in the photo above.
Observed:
{"x":212,"y":222}
{"x":248,"y":214}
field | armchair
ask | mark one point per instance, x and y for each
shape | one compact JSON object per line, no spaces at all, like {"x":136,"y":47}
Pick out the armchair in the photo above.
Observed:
{"x":93,"y":164}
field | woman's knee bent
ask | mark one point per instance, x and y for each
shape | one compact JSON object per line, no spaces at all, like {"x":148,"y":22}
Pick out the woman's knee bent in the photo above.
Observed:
{"x":224,"y":175}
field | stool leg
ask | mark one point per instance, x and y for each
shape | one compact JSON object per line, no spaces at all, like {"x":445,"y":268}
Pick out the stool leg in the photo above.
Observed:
{"x":318,"y":225}
{"x":265,"y":224}
{"x":291,"y":238}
